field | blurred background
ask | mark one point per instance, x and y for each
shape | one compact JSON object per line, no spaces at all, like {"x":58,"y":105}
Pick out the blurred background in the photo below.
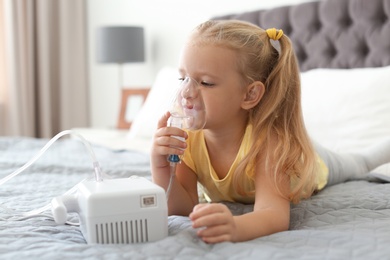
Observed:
{"x":50,"y":76}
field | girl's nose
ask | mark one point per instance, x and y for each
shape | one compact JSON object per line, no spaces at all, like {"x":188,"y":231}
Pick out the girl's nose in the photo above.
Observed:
{"x":189,"y":88}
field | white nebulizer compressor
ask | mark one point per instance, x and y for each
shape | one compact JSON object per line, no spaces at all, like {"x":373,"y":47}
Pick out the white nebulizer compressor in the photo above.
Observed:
{"x":111,"y":211}
{"x":116,"y":211}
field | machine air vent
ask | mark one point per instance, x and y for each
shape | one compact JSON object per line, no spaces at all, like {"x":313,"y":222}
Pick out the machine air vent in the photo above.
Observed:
{"x":122,"y":232}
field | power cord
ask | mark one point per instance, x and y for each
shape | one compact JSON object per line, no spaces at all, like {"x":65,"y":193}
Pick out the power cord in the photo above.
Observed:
{"x":98,"y":175}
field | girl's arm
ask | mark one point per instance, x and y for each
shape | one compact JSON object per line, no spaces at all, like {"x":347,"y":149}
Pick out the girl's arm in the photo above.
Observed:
{"x":271,"y":213}
{"x":184,"y":192}
{"x":183,"y":195}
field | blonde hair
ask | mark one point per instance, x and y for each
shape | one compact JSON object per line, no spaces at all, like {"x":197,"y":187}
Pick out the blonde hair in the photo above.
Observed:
{"x":279,"y":111}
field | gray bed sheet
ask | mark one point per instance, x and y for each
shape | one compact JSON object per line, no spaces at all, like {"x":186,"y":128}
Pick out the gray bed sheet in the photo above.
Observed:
{"x":346,"y":221}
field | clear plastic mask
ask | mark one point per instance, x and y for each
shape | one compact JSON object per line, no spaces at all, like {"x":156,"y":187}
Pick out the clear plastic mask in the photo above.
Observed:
{"x":188,"y":110}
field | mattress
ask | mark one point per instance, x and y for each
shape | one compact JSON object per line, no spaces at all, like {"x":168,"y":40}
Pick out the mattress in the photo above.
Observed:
{"x":346,"y":221}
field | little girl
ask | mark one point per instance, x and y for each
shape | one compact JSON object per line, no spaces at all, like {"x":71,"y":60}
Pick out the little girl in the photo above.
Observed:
{"x":254,"y":147}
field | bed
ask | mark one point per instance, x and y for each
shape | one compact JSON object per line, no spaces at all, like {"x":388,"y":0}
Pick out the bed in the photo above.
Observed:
{"x":343,"y":47}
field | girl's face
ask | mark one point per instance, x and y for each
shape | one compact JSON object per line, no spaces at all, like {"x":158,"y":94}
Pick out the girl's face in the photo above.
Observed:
{"x":221,"y":86}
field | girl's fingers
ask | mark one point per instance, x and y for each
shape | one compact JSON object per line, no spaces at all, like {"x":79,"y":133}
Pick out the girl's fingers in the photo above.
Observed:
{"x":213,"y":219}
{"x":206,"y":209}
{"x":165,"y":137}
{"x":162,"y":122}
{"x":171,"y":132}
{"x":214,"y":222}
{"x":211,"y":234}
{"x":169,"y":140}
{"x":209,"y":215}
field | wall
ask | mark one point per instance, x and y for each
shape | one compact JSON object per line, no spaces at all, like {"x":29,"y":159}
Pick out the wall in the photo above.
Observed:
{"x":166,"y":23}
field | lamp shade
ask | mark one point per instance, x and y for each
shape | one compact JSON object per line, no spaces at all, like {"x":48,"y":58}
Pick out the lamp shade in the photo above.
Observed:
{"x":120,"y":44}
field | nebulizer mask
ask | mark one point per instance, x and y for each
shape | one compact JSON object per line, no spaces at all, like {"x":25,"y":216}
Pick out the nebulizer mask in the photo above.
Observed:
{"x":188,"y":112}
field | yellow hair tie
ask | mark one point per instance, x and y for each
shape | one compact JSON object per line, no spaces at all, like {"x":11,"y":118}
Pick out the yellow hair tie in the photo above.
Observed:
{"x":273,"y":35}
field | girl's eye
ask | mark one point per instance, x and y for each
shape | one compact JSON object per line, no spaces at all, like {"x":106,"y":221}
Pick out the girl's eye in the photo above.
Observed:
{"x":207,"y":84}
{"x":202,"y":83}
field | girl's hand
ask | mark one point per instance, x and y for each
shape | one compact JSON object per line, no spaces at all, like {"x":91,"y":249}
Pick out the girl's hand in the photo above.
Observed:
{"x":164,"y":142}
{"x":215,"y":221}
{"x":184,"y":193}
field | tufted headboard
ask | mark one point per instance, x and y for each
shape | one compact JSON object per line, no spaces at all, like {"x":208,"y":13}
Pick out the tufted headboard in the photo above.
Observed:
{"x":331,"y":33}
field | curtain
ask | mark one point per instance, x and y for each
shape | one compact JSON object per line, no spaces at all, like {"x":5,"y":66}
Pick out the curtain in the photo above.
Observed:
{"x":3,"y":74}
{"x":44,"y":86}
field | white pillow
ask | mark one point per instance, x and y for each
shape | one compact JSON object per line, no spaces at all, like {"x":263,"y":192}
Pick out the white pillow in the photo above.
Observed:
{"x":159,"y":101}
{"x":347,"y":109}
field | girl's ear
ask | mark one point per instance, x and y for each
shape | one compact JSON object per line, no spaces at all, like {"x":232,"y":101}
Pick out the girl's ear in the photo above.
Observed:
{"x":254,"y":93}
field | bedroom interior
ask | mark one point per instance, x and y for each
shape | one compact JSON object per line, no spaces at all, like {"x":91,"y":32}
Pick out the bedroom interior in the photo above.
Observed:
{"x":343,"y":48}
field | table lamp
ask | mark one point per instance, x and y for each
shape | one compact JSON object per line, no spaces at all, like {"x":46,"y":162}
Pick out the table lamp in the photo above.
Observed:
{"x":120,"y":44}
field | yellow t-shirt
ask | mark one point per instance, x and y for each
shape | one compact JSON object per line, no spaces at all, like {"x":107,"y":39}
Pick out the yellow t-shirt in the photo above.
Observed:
{"x":196,"y":157}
